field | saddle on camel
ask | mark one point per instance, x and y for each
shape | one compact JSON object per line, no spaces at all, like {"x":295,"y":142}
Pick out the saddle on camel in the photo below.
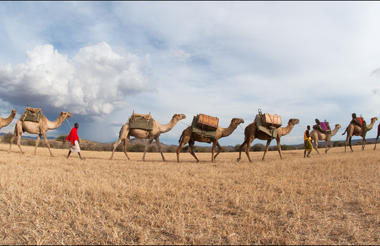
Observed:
{"x":141,"y":121}
{"x":205,"y":125}
{"x":268,"y":123}
{"x":323,"y":127}
{"x":31,"y":114}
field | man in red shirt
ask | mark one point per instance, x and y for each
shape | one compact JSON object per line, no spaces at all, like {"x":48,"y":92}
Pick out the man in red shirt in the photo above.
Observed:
{"x":74,"y":139}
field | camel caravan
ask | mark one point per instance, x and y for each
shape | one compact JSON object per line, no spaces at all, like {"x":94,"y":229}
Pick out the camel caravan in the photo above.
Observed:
{"x":204,"y":128}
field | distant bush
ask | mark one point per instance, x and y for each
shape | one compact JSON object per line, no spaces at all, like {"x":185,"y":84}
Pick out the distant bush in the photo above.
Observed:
{"x":258,"y":147}
{"x":171,"y":149}
{"x":237,"y":147}
{"x":287,"y":147}
{"x":152,"y":148}
{"x":338,"y":144}
{"x":61,"y":138}
{"x":136,"y":148}
{"x":7,"y":137}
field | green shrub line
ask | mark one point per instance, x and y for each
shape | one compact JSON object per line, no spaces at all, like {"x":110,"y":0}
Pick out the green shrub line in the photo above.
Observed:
{"x":61,"y":143}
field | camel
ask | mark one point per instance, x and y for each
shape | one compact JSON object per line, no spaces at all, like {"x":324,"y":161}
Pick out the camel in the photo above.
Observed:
{"x":316,"y":136}
{"x":378,"y":133}
{"x":355,"y":130}
{"x":189,"y":137}
{"x":6,"y":121}
{"x":125,"y":134}
{"x":40,"y":128}
{"x":250,"y":133}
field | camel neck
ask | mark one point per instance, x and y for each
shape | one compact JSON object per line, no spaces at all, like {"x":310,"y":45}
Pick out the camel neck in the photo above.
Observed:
{"x":369,"y":127}
{"x":55,"y":124}
{"x":9,"y":119}
{"x":334,"y":131}
{"x":167,"y":127}
{"x":229,"y":130}
{"x":286,"y":130}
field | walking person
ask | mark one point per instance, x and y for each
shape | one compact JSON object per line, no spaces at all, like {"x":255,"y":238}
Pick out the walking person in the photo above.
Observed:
{"x":74,"y":139}
{"x":307,"y":142}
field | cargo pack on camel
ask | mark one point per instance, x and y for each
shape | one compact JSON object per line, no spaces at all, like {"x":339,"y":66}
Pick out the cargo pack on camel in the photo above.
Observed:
{"x":268,"y":123}
{"x":205,"y":125}
{"x":325,"y":126}
{"x":31,"y":114}
{"x":141,"y":121}
{"x":360,"y":120}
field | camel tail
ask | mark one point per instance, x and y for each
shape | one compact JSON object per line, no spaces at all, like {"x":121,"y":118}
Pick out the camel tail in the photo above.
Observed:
{"x":344,"y":132}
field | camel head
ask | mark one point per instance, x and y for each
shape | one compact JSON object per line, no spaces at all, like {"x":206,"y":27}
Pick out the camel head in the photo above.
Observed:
{"x":13,"y":112}
{"x":66,"y":114}
{"x":374,"y":119}
{"x":236,"y":121}
{"x":338,"y":126}
{"x":179,"y":116}
{"x":293,"y":121}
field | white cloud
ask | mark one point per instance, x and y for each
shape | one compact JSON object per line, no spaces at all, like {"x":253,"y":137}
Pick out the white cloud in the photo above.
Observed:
{"x":94,"y":81}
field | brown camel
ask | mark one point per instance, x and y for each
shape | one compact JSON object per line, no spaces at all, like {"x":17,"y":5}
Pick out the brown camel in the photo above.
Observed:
{"x":40,"y":128}
{"x":316,"y":135}
{"x":250,"y":133}
{"x":125,"y":134}
{"x":6,"y":121}
{"x":378,"y":133}
{"x":355,"y":130}
{"x":189,"y":137}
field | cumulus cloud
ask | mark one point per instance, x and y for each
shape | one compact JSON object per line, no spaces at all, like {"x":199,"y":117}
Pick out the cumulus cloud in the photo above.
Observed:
{"x":95,"y":81}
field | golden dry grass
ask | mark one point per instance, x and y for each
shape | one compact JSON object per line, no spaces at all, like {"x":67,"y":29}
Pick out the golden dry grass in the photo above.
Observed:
{"x":327,"y":199}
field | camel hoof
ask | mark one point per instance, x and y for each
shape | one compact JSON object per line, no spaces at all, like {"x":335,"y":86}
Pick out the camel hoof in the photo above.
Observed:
{"x":238,"y":159}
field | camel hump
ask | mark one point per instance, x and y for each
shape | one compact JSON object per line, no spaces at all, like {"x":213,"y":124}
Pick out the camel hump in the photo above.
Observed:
{"x":31,"y":114}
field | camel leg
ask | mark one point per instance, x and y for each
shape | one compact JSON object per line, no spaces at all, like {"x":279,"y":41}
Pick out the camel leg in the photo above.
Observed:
{"x":316,"y":146}
{"x":47,"y":143}
{"x":266,"y":148}
{"x":37,"y":142}
{"x":248,"y":144}
{"x":191,"y":150}
{"x":327,"y":146}
{"x":213,"y":150}
{"x":350,"y":144}
{"x":159,"y":148}
{"x":184,"y":141}
{"x":345,"y":144}
{"x":146,"y":147}
{"x":279,"y":148}
{"x":363,"y":143}
{"x":19,"y":143}
{"x":376,"y":141}
{"x":115,"y":146}
{"x":10,"y":143}
{"x":125,"y":148}
{"x":241,"y":148}
{"x":219,"y":149}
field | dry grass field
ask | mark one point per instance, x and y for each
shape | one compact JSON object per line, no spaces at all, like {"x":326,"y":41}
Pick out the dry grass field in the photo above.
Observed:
{"x":326,"y":199}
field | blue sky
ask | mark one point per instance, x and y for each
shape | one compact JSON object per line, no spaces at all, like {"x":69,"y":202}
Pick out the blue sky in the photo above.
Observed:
{"x":102,"y":60}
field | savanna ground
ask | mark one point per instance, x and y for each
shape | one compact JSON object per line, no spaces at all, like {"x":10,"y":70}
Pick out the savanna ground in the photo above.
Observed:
{"x":326,"y":199}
